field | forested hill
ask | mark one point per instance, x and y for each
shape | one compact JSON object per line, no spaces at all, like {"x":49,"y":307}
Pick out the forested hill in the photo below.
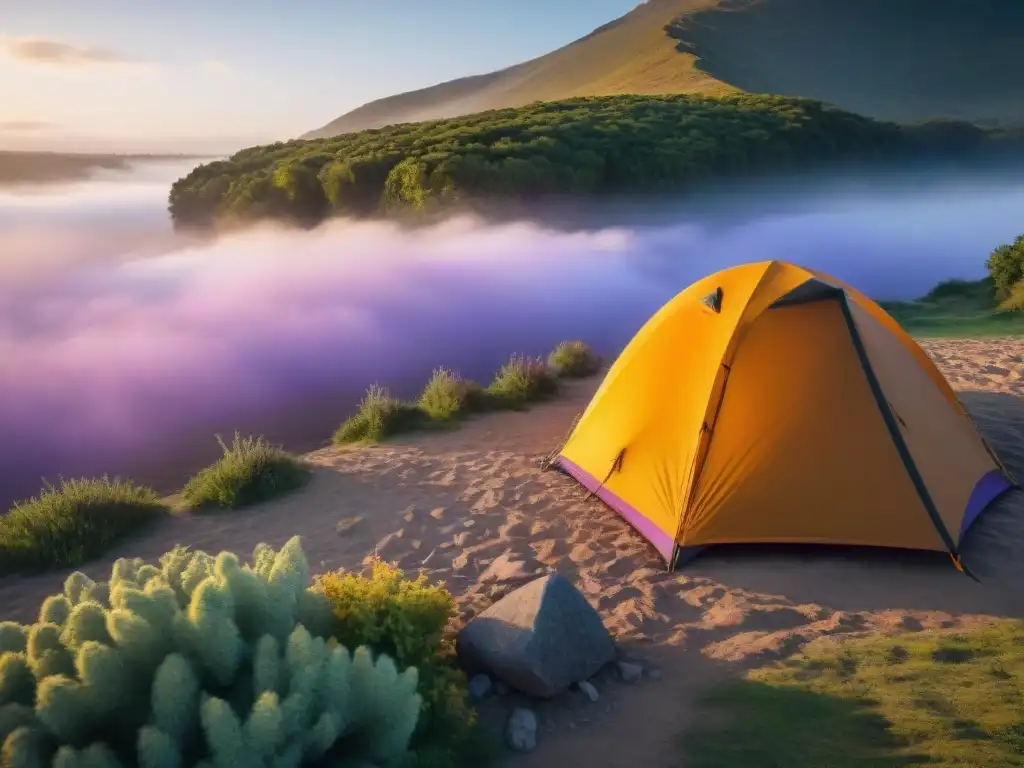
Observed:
{"x":902,"y":60}
{"x":581,"y":147}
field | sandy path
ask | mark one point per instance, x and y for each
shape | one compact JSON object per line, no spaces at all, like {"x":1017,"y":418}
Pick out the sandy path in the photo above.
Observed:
{"x":472,"y":507}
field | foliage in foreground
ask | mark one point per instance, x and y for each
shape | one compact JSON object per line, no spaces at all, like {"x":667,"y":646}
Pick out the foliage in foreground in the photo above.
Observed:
{"x":68,"y":524}
{"x":583,"y":146}
{"x":250,"y":470}
{"x":522,"y":380}
{"x":574,"y":359}
{"x":941,"y":699}
{"x":406,"y":619}
{"x":200,"y":661}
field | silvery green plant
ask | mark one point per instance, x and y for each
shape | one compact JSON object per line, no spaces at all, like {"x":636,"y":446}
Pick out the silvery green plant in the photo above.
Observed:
{"x":201,"y":661}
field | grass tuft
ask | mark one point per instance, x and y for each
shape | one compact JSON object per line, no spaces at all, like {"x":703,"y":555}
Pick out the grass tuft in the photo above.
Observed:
{"x":883,"y":702}
{"x":448,"y":396}
{"x":522,"y":380}
{"x":379,"y":416}
{"x":74,"y":522}
{"x":250,"y":470}
{"x":574,"y":359}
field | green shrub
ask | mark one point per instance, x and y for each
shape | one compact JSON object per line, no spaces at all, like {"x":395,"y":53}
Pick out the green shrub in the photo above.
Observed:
{"x":74,"y":522}
{"x":1015,"y":299}
{"x":379,"y":416}
{"x":950,"y":290}
{"x":448,"y":396}
{"x":522,"y":380}
{"x":574,"y":359}
{"x":200,"y":661}
{"x":406,"y":619}
{"x":1006,"y":266}
{"x":249,"y":471}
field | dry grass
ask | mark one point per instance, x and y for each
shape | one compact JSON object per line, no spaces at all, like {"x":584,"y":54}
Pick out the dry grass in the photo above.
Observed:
{"x":250,"y":470}
{"x":73,"y":522}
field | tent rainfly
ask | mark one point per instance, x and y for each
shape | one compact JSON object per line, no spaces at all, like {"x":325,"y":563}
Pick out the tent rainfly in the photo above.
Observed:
{"x":772,"y":403}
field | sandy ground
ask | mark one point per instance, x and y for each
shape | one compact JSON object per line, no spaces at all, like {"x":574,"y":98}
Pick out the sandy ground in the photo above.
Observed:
{"x":473,"y":508}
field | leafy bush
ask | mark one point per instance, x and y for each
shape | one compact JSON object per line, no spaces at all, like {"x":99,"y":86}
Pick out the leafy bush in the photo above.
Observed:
{"x":447,"y":396}
{"x":1015,"y":299}
{"x":1006,"y":266}
{"x":522,"y":380}
{"x":574,"y":359}
{"x":201,"y":661}
{"x":406,"y":619}
{"x":74,"y":522}
{"x":250,"y":471}
{"x":379,"y":416}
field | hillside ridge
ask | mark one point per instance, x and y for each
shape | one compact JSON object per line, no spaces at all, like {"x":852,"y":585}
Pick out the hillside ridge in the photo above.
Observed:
{"x":903,"y":60}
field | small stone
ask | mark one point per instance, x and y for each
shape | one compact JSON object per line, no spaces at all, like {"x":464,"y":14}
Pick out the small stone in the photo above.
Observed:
{"x":630,"y":672}
{"x":654,"y":674}
{"x":479,"y":686}
{"x":521,"y":730}
{"x":589,"y":690}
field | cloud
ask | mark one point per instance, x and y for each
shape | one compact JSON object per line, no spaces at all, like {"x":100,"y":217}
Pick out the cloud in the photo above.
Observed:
{"x":25,"y":126}
{"x":216,"y":66}
{"x":44,"y":51}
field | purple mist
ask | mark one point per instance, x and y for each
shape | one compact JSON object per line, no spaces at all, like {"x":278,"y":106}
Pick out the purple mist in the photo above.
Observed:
{"x":125,"y":347}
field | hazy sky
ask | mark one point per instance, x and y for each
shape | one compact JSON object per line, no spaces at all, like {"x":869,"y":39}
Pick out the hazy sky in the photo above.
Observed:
{"x":214,"y":74}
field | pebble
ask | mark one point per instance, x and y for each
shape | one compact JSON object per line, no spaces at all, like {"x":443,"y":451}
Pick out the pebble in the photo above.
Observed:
{"x":479,"y":686}
{"x":589,"y":690}
{"x":630,"y":672}
{"x":521,"y":730}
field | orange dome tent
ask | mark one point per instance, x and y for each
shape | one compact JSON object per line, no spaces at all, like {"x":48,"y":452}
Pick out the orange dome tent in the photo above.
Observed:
{"x":772,"y":403}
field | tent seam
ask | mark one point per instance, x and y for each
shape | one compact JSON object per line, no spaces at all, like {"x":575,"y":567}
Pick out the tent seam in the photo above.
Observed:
{"x":897,"y":438}
{"x":700,"y":457}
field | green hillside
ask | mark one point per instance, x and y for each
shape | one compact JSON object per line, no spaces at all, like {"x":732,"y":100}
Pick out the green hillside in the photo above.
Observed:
{"x":900,"y":60}
{"x":582,"y":147}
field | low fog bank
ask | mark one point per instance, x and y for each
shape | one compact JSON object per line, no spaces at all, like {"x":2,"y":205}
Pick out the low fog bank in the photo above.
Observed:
{"x":128,"y":346}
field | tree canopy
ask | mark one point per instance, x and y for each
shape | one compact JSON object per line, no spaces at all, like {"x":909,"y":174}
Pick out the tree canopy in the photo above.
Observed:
{"x":584,"y":146}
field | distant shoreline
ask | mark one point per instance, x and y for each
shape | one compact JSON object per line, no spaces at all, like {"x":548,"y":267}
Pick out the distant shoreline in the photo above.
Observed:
{"x":30,"y":167}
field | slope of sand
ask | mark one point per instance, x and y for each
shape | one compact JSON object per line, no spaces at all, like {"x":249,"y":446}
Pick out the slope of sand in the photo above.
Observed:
{"x":472,"y":507}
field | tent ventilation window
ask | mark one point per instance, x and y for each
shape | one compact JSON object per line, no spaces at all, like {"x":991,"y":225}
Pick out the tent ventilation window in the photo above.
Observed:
{"x":713,"y":301}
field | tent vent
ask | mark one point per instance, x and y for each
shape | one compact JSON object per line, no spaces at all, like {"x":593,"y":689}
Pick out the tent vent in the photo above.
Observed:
{"x":713,"y":301}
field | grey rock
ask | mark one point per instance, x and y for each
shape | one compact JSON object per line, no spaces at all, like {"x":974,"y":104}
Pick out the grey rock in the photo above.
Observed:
{"x":521,"y":730}
{"x":539,"y":639}
{"x":479,"y":686}
{"x":589,"y":690}
{"x":654,"y":674}
{"x":630,"y":672}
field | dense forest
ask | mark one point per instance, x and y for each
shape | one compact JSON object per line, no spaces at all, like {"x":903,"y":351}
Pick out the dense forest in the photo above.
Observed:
{"x":585,"y":146}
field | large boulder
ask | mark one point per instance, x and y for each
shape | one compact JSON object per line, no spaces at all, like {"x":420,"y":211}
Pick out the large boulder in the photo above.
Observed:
{"x":540,"y":639}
